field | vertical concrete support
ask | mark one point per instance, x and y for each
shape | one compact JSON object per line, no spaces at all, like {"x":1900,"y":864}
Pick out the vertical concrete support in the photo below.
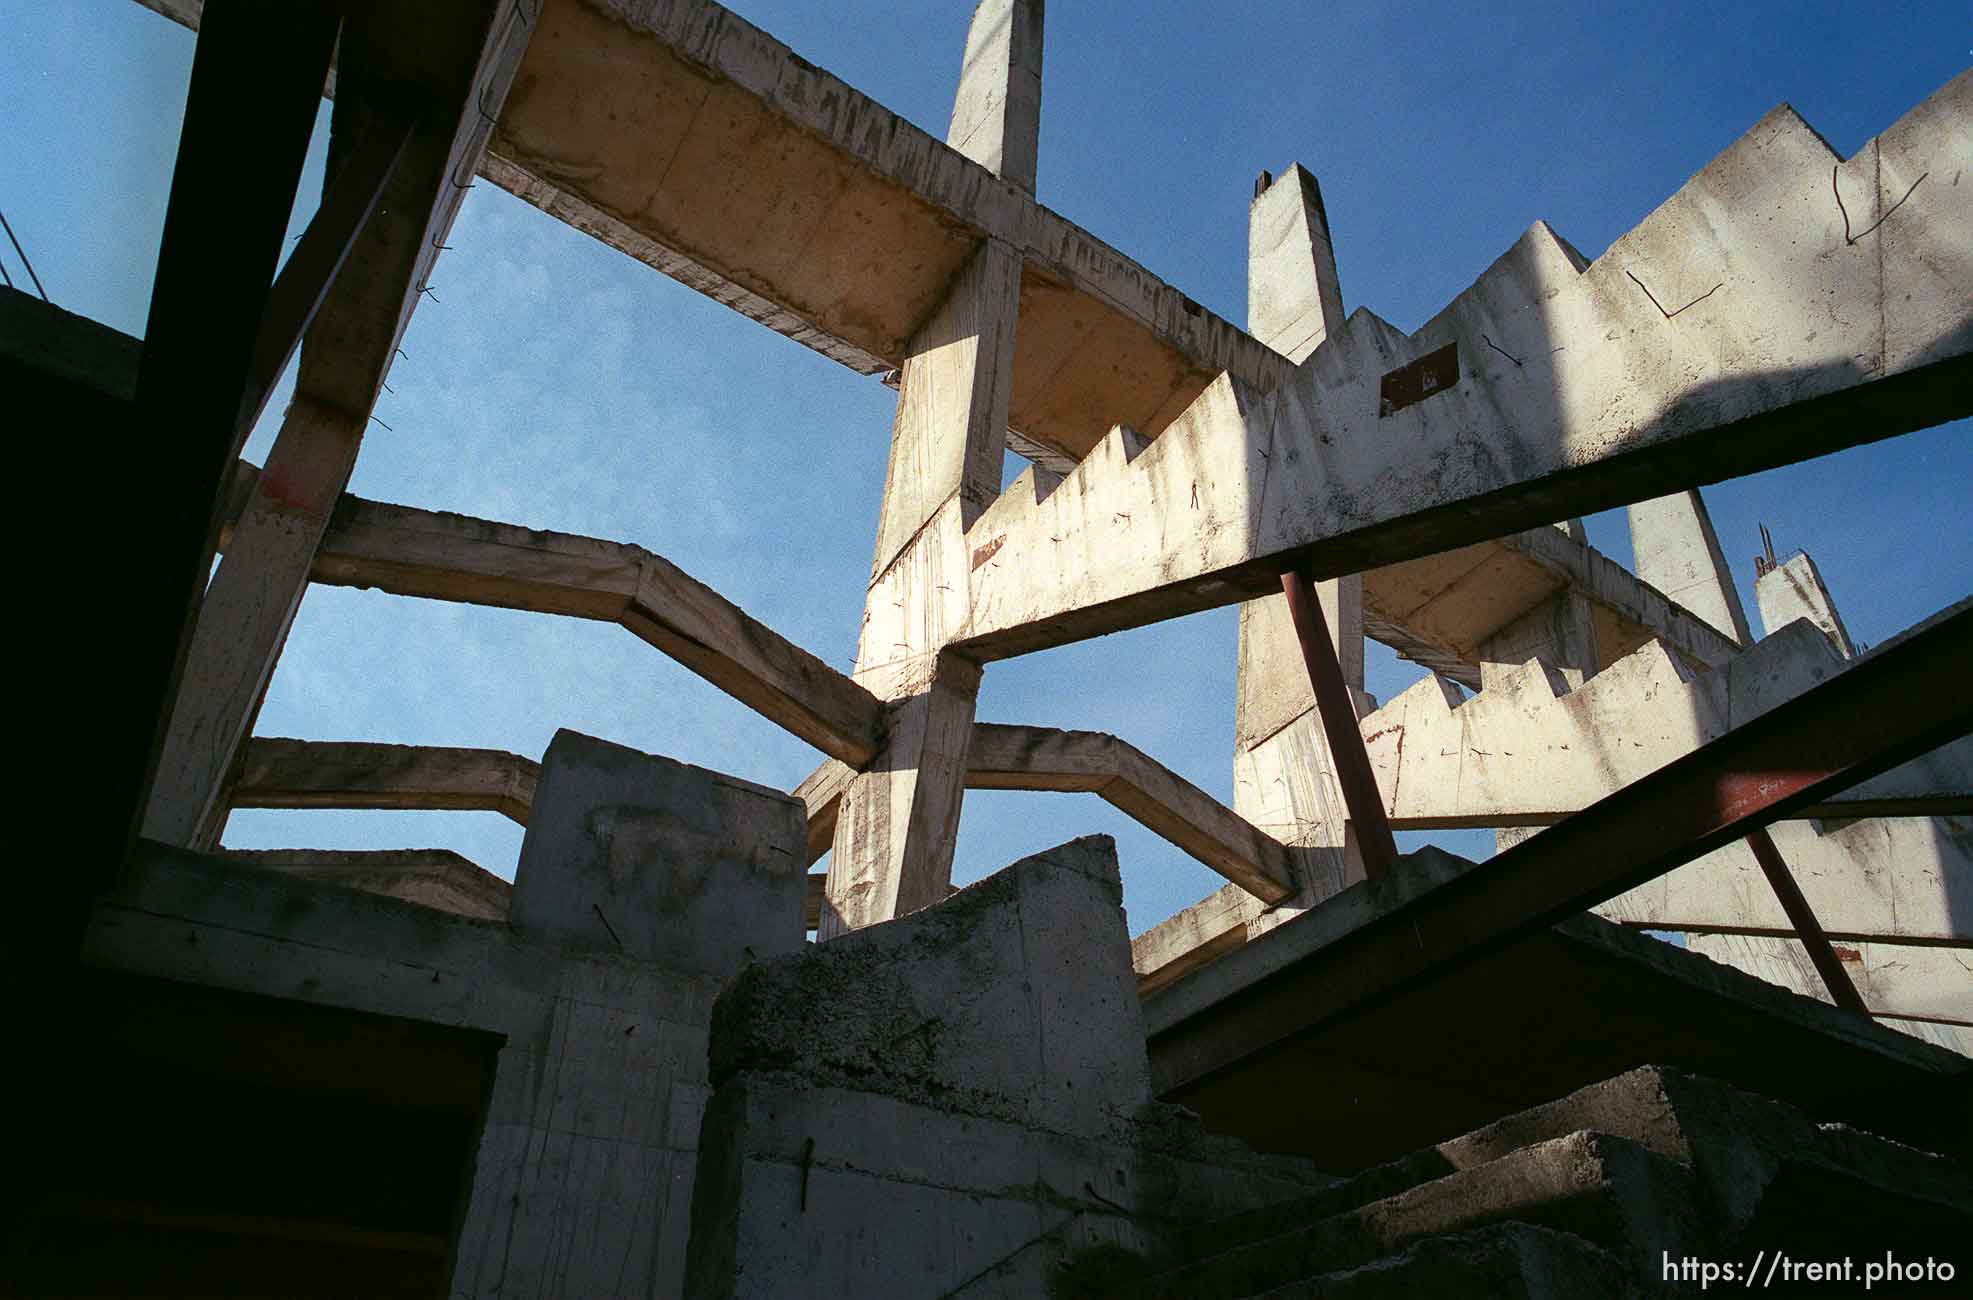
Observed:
{"x":1677,"y":552}
{"x":899,"y":818}
{"x":1794,"y":589}
{"x":950,"y":1104}
{"x":1294,"y":298}
{"x":1284,"y":775}
{"x":656,"y":881}
{"x":996,"y":116}
{"x":244,"y":620}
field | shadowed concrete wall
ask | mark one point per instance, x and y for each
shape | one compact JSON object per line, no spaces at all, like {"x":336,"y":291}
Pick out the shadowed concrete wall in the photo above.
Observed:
{"x":953,"y":1103}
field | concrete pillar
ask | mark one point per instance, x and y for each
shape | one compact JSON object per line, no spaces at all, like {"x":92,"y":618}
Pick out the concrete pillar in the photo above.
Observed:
{"x":954,"y":1103}
{"x":244,"y":620}
{"x":1677,"y":552}
{"x":996,"y":116}
{"x":1794,"y":589}
{"x":899,"y":818}
{"x":1294,"y":298}
{"x":645,"y":884}
{"x":1284,"y":775}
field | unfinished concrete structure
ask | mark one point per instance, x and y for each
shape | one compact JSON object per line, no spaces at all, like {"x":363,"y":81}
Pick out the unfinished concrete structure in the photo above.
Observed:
{"x":628,"y":1074}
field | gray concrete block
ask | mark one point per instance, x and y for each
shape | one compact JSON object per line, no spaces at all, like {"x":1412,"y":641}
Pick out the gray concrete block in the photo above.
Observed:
{"x":628,"y":852}
{"x":1013,"y":999}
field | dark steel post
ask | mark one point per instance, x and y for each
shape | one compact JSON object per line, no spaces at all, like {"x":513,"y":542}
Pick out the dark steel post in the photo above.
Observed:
{"x":1339,"y":723}
{"x":1807,"y":928}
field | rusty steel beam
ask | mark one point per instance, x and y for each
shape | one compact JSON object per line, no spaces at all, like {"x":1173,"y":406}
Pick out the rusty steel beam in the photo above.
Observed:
{"x":1339,"y":724}
{"x":1807,"y":928}
{"x":1907,"y":700}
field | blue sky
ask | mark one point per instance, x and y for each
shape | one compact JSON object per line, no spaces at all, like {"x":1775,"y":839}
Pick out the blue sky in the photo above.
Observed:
{"x":556,"y":383}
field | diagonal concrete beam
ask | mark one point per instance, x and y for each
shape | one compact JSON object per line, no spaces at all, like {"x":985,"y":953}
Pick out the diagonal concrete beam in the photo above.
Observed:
{"x":439,"y":556}
{"x":1550,"y":388}
{"x":1007,"y":757}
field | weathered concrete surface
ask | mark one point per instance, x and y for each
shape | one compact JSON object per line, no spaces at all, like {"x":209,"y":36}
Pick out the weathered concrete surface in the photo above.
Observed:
{"x":436,"y":878}
{"x":1932,"y":981}
{"x":1325,"y":471}
{"x":284,"y":773}
{"x":996,"y":112}
{"x":1529,"y":751}
{"x":642,"y":124}
{"x":632,"y":853}
{"x":1390,"y":1086}
{"x":1677,"y":551}
{"x":898,"y":819}
{"x":439,"y":556}
{"x":950,"y":1103}
{"x":583,"y":1178}
{"x":1794,"y":589}
{"x":1006,"y":757}
{"x":1558,"y":631}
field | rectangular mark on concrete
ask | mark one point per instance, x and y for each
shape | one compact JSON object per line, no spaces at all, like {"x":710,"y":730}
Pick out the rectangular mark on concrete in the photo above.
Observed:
{"x":1410,"y":384}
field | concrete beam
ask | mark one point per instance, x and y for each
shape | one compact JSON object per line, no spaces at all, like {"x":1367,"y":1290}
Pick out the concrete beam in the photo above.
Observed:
{"x":437,"y":878}
{"x":1041,"y":758}
{"x":458,"y":64}
{"x":1654,"y":369}
{"x":410,"y":552}
{"x":281,"y":773}
{"x":1005,"y":757}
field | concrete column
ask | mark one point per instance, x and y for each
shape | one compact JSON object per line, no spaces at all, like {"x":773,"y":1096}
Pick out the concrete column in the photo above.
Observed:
{"x":1284,"y":775}
{"x":1794,"y":589}
{"x":1677,"y":552}
{"x":651,"y":883}
{"x":899,"y":818}
{"x":996,"y":116}
{"x":244,"y":620}
{"x":957,"y":1103}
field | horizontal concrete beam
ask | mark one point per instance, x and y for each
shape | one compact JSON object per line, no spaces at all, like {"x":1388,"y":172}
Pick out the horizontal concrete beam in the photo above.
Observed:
{"x":1005,"y":757}
{"x":412,"y":552}
{"x":281,"y":773}
{"x":682,"y":135}
{"x":1551,"y":388}
{"x":433,"y":877}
